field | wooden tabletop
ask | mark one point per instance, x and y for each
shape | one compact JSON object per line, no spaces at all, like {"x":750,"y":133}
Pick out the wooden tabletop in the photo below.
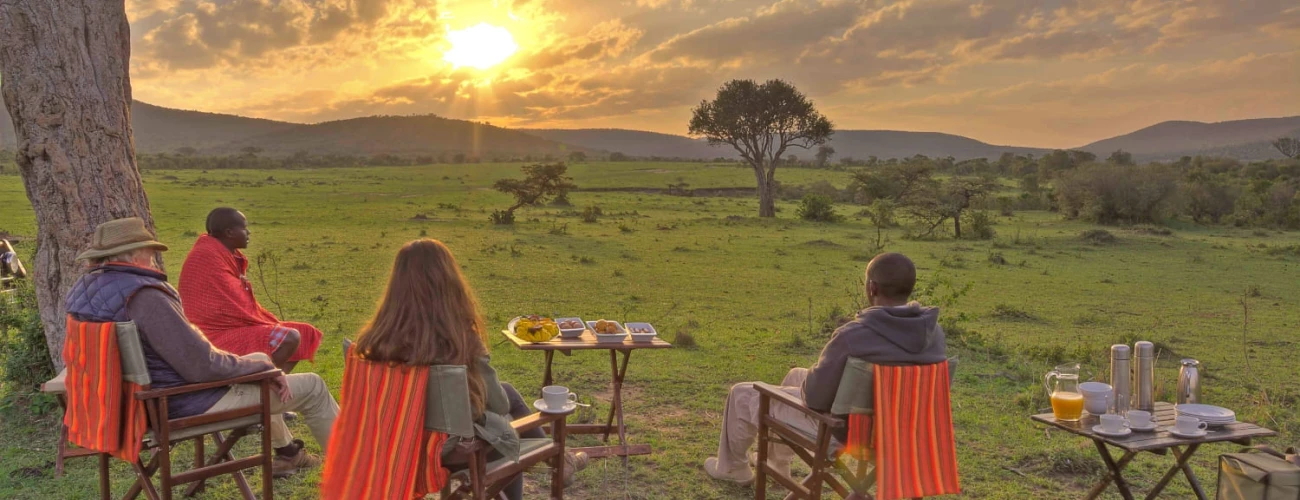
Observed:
{"x":586,"y":341}
{"x":1160,"y":438}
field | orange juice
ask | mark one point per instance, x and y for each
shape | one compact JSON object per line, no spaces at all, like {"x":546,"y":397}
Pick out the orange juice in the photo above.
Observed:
{"x":1067,"y":406}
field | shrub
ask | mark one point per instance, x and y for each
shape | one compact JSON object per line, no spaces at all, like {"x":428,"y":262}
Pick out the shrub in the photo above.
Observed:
{"x":818,"y":208}
{"x":1114,"y":194}
{"x":502,"y":217}
{"x":979,"y":225}
{"x":591,"y":213}
{"x":24,"y":357}
{"x":1098,"y":237}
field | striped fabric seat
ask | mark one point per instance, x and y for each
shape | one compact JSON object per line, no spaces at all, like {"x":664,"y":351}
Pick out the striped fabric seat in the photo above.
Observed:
{"x":910,"y":432}
{"x":102,"y":414}
{"x":379,"y":448}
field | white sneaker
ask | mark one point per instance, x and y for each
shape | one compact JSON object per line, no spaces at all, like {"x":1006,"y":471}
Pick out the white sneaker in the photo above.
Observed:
{"x":782,"y":468}
{"x":742,"y":477}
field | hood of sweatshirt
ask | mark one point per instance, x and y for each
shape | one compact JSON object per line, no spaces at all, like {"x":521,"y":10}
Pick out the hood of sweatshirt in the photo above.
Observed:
{"x":911,"y":327}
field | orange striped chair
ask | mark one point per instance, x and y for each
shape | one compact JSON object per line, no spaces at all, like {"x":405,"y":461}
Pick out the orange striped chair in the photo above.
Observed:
{"x":900,"y":435}
{"x":111,"y":411}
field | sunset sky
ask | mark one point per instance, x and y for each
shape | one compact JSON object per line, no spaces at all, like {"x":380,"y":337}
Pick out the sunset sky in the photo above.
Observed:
{"x":1033,"y":73}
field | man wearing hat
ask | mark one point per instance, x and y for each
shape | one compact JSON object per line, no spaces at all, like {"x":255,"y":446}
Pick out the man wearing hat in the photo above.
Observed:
{"x":125,"y":284}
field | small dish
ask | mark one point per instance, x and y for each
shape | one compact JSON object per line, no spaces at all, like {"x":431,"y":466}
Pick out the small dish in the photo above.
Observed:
{"x":637,"y":336}
{"x":1173,"y":431}
{"x":541,"y":406}
{"x":571,"y":332}
{"x":1097,"y":429}
{"x":1149,"y":428}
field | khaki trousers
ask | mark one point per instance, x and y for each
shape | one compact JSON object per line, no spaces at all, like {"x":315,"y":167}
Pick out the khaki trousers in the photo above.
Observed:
{"x":311,"y":399}
{"x":740,"y":423}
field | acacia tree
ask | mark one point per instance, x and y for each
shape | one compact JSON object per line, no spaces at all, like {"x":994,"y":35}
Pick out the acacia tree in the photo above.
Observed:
{"x":67,"y":88}
{"x":761,"y":122}
{"x":1288,"y":146}
{"x":541,"y":181}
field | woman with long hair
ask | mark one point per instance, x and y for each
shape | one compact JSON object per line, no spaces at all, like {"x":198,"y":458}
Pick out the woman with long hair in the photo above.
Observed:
{"x":430,"y":316}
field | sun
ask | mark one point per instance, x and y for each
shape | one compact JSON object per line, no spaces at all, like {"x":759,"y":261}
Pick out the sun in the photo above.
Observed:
{"x":480,"y":46}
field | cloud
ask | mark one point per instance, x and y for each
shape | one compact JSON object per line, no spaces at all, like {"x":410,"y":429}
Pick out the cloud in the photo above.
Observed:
{"x":605,"y":40}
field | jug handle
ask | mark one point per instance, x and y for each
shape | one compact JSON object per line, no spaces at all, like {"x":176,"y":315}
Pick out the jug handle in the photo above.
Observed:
{"x":1047,"y":382}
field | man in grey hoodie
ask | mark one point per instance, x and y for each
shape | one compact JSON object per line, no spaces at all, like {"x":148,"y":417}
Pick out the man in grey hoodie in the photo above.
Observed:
{"x":892,"y":331}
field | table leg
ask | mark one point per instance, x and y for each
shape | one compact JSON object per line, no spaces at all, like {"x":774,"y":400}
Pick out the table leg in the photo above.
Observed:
{"x":546,"y":378}
{"x":1187,"y":469}
{"x":1115,"y":473}
{"x":1180,"y":462}
{"x":622,"y":429}
{"x":1105,"y":481}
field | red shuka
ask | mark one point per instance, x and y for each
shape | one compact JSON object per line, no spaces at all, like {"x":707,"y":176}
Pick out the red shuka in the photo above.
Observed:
{"x":378,"y":447}
{"x":911,"y":432}
{"x":218,"y":298}
{"x":103,"y":414}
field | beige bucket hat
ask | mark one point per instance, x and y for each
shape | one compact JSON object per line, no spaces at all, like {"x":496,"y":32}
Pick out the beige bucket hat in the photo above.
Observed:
{"x":118,"y":236}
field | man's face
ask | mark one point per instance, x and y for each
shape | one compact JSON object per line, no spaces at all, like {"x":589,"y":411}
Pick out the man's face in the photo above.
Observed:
{"x":239,"y":235}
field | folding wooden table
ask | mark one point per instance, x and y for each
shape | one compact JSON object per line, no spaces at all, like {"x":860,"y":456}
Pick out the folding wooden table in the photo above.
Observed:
{"x":587,"y":342}
{"x":1159,"y":442}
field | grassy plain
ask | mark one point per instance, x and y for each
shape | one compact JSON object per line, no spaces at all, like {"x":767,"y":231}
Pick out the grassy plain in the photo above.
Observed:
{"x":754,"y":294}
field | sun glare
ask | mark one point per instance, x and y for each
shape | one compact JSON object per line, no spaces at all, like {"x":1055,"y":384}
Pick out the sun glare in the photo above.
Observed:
{"x":480,"y":46}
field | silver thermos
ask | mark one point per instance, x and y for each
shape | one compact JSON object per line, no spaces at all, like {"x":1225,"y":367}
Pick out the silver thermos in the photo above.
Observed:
{"x":1144,"y":374}
{"x":1120,"y":378}
{"x":1189,"y":382}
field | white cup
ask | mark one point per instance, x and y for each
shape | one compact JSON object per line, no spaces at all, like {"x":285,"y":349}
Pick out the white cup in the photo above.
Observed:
{"x":1096,"y":397}
{"x":1189,"y":425}
{"x":1139,"y":418}
{"x":1113,"y":423}
{"x":557,"y":397}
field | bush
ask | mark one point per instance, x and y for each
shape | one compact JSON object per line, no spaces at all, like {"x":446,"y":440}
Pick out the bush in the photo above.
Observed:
{"x":591,"y":213}
{"x":1098,"y":237}
{"x":502,"y":217}
{"x":24,"y":357}
{"x":818,"y":208}
{"x":978,"y":225}
{"x":1115,"y":194}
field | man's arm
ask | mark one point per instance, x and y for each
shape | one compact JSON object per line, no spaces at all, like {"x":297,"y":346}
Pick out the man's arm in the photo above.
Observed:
{"x":824,"y":377}
{"x":162,"y":323}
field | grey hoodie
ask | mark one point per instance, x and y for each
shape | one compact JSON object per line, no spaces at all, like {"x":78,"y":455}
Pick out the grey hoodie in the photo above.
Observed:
{"x":898,"y":335}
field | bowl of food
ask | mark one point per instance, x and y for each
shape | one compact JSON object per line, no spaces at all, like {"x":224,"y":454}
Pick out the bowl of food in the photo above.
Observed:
{"x":571,"y":327}
{"x":533,"y":328}
{"x":607,"y":331}
{"x":642,"y":332}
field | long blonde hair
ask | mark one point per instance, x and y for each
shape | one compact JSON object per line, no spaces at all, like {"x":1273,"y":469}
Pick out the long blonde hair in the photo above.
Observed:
{"x":427,"y":316}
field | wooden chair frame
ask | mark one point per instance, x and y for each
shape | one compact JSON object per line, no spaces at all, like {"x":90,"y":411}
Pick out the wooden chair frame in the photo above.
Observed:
{"x":484,"y":483}
{"x":825,"y":463}
{"x":160,"y":445}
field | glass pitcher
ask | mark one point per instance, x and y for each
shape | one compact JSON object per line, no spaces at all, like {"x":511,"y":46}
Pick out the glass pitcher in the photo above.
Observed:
{"x":1067,"y":401}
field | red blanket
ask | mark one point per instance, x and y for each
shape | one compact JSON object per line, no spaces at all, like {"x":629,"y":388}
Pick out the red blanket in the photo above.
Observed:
{"x":916,"y":455}
{"x":218,"y":298}
{"x":103,"y":414}
{"x":379,"y":448}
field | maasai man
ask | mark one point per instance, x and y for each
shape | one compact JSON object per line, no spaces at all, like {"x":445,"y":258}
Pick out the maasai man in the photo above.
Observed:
{"x":218,"y":297}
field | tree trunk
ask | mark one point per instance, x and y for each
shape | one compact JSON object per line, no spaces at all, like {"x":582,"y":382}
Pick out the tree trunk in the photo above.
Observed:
{"x":766,"y":196}
{"x":956,"y":224}
{"x":66,"y":84}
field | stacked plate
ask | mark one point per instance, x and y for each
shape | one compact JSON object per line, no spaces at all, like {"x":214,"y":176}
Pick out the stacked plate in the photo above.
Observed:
{"x":1215,"y":416}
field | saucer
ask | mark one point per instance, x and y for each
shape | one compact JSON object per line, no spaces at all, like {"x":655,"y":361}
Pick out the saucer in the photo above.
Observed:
{"x":1199,"y":433}
{"x":1097,"y":429}
{"x":1149,"y":428}
{"x":541,"y":406}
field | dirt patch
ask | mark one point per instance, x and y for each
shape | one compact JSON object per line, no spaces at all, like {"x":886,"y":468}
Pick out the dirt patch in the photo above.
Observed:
{"x":1098,"y":237}
{"x":821,"y":244}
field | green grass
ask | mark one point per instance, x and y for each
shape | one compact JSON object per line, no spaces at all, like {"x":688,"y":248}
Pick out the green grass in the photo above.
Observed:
{"x":755,"y":296}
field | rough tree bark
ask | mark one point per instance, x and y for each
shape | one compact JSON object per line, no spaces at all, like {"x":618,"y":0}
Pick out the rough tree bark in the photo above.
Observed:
{"x":66,"y":84}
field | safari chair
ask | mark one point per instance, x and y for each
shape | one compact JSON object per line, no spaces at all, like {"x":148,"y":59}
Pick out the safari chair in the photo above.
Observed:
{"x":874,"y":398}
{"x":447,"y":416}
{"x":135,"y":416}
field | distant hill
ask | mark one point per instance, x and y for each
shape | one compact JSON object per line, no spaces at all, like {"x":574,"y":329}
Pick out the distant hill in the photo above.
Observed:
{"x":1241,"y":139}
{"x":635,"y":143}
{"x":401,"y":135}
{"x":885,"y":144}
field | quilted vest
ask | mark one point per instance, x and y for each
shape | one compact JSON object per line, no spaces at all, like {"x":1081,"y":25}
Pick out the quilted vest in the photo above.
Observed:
{"x":101,"y":296}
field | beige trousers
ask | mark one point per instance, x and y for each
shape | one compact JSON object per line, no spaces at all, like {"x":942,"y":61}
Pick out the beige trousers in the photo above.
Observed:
{"x":310,"y":398}
{"x":740,"y":423}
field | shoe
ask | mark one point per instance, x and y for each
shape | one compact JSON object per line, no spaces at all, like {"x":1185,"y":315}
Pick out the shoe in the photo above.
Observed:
{"x":573,"y":463}
{"x":743,"y":477}
{"x":290,"y":416}
{"x":285,"y":466}
{"x":781,"y":468}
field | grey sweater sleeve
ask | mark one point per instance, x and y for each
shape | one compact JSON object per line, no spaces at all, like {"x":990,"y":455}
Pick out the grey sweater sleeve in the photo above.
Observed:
{"x":824,"y":377}
{"x":182,"y":345}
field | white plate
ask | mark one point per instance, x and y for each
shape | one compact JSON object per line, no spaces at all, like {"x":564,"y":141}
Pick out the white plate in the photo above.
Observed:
{"x":1097,"y":429}
{"x":541,"y":406}
{"x":1149,"y":428}
{"x":1199,"y":433}
{"x":571,"y":332}
{"x":1207,"y":413}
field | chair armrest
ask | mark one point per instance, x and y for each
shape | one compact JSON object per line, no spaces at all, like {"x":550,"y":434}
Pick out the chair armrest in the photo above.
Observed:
{"x":536,"y":420}
{"x":184,"y":389}
{"x":775,"y":393}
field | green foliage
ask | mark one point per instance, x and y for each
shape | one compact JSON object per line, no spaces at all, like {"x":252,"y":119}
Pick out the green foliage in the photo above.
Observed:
{"x":978,"y":225}
{"x":817,"y":208}
{"x":541,"y":181}
{"x":591,"y":214}
{"x":502,"y":217}
{"x":1115,"y":194}
{"x":24,"y":358}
